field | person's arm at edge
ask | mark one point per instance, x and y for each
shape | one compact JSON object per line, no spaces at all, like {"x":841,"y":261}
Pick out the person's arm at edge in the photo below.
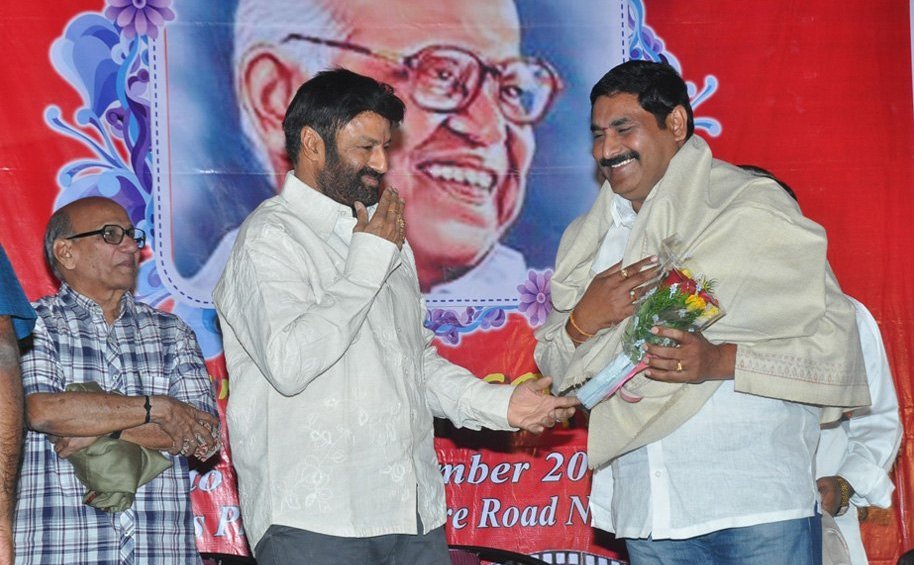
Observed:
{"x":874,"y":434}
{"x":10,"y":433}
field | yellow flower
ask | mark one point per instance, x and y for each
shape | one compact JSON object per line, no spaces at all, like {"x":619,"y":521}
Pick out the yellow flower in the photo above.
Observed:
{"x":687,"y":273}
{"x":695,"y":302}
{"x":712,"y":311}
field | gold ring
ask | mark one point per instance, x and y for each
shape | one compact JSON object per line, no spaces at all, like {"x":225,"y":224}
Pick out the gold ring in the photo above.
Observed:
{"x":678,"y":366}
{"x":624,"y":273}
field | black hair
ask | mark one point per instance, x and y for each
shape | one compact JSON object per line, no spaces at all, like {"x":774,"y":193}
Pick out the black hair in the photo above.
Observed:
{"x":760,"y":172}
{"x":658,"y":86}
{"x":332,"y":99}
{"x":59,"y":227}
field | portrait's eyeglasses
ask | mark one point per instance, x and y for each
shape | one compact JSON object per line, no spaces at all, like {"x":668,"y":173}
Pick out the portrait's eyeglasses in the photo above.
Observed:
{"x":446,"y":79}
{"x":114,"y":234}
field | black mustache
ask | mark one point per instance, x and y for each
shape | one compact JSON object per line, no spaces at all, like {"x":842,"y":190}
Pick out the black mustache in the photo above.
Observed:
{"x":613,"y":161}
{"x":371,"y":173}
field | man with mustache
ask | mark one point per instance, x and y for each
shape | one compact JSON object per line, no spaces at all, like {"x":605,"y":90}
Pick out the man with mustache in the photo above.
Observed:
{"x":335,"y":381}
{"x":156,"y":394}
{"x":467,"y":142}
{"x":714,"y":464}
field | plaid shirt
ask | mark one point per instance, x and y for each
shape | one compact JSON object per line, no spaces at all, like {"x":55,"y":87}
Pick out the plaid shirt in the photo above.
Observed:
{"x":145,"y":352}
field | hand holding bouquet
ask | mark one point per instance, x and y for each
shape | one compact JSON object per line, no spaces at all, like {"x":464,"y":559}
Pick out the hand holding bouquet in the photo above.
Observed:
{"x":681,"y":301}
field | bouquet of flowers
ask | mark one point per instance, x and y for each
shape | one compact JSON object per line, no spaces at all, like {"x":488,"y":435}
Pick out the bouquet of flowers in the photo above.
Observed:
{"x":680,"y":300}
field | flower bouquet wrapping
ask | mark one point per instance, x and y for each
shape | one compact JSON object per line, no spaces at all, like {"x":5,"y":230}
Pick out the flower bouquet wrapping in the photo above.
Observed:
{"x":681,"y":301}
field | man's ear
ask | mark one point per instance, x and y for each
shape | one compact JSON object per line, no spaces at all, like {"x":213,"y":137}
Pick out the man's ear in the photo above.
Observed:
{"x":677,"y":121}
{"x":312,"y":147}
{"x":266,"y":84}
{"x":63,"y":253}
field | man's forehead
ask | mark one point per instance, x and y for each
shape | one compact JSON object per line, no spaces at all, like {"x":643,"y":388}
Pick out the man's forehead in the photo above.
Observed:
{"x":489,"y":28}
{"x":616,"y":109}
{"x":367,"y":126}
{"x":95,"y":213}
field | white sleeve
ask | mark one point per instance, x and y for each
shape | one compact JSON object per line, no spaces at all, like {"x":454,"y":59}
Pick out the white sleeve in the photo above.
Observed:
{"x":468,"y":402}
{"x":874,"y":433}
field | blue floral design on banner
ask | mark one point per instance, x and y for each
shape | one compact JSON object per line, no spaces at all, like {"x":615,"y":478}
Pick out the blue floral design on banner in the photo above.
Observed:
{"x":140,"y":17}
{"x":448,"y":324}
{"x":109,"y":74}
{"x":645,"y":45}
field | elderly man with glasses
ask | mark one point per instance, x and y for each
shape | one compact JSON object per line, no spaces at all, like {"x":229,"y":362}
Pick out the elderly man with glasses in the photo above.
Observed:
{"x":467,"y":143}
{"x":152,"y":391}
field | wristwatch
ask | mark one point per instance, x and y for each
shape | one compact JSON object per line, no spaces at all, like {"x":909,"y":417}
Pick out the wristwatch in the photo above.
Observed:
{"x":845,"y":489}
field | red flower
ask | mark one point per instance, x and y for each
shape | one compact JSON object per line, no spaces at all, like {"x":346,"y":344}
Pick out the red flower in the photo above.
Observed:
{"x":686,"y":284}
{"x":673,"y":277}
{"x":708,"y":298}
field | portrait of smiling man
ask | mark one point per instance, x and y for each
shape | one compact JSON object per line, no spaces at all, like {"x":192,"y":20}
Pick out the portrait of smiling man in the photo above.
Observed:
{"x":467,"y":140}
{"x":461,"y":161}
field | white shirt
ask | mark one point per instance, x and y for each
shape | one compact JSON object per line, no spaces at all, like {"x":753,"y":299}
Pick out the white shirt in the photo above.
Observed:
{"x":493,"y":281}
{"x":334,"y":379}
{"x":862,"y":448}
{"x":742,"y":460}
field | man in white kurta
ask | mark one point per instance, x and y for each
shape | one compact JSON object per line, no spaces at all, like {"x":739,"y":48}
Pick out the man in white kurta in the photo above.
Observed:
{"x":334,"y":378}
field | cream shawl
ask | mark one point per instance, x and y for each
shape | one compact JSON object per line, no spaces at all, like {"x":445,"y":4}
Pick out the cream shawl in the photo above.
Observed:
{"x":795,"y":330}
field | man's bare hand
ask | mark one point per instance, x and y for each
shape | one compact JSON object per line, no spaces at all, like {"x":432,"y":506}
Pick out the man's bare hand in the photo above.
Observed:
{"x":610,"y":296}
{"x":533,"y":409}
{"x":192,"y":431}
{"x":64,"y":447}
{"x":7,"y":555}
{"x":695,"y":360}
{"x":830,"y":492}
{"x":387,"y":222}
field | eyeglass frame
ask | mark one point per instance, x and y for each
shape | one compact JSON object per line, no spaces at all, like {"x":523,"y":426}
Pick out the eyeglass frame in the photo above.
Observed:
{"x":485,"y":69}
{"x":138,"y":236}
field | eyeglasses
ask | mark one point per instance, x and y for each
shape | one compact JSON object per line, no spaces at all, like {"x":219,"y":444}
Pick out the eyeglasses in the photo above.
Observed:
{"x":114,"y":234}
{"x":447,"y":79}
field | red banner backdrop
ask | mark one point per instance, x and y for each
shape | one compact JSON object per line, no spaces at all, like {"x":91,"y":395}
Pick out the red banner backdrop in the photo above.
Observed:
{"x":818,"y":93}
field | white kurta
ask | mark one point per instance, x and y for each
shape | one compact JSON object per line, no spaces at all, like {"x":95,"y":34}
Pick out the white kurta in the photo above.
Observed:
{"x":334,"y":378}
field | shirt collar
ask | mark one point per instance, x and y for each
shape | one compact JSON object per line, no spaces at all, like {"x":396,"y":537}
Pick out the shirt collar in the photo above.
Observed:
{"x":622,"y":212}
{"x":317,"y":210}
{"x":85,"y":305}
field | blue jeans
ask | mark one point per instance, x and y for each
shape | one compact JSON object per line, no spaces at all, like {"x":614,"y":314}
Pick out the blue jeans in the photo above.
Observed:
{"x":793,"y":542}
